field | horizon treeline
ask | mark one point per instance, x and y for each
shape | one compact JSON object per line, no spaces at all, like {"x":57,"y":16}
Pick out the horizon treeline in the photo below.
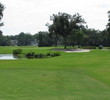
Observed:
{"x":83,"y":37}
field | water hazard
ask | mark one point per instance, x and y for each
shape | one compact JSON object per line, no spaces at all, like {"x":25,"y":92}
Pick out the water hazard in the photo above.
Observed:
{"x":7,"y":56}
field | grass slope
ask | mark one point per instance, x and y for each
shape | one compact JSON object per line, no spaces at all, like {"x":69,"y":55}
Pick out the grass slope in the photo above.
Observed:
{"x":72,"y":76}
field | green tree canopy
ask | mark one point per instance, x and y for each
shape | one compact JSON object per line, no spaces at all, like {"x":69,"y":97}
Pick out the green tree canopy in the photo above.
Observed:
{"x":24,"y":39}
{"x":64,"y":24}
{"x":108,"y":27}
{"x":1,"y":13}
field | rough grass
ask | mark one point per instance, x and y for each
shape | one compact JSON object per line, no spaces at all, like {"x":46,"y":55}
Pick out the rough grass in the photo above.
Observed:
{"x":72,"y":76}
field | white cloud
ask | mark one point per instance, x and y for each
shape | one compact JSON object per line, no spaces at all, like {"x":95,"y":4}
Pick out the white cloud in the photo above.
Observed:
{"x":32,"y":15}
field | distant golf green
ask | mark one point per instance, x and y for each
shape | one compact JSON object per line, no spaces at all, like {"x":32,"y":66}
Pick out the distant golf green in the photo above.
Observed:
{"x":71,"y":76}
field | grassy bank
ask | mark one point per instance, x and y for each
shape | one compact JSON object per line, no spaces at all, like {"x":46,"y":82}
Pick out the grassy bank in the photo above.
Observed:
{"x":71,"y":76}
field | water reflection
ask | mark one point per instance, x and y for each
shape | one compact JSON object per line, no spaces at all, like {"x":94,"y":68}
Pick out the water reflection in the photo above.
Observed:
{"x":6,"y":56}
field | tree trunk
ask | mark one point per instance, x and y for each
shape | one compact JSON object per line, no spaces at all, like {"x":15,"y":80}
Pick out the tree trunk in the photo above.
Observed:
{"x":65,"y":46}
{"x":65,"y":42}
{"x":56,"y":41}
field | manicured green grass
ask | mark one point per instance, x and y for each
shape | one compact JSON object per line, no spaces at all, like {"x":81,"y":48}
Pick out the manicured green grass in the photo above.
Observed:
{"x":9,"y":50}
{"x":71,"y":76}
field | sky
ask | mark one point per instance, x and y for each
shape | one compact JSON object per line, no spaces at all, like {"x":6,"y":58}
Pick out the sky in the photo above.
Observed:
{"x":30,"y":16}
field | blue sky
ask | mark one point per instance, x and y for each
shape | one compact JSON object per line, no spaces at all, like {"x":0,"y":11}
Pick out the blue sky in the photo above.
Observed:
{"x":32,"y":15}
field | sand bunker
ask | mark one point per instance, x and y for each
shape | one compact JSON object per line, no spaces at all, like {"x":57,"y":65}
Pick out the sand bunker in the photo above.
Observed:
{"x":78,"y":50}
{"x":73,"y":50}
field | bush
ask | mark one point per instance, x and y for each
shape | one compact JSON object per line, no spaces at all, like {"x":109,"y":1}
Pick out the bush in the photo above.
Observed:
{"x":18,"y":54}
{"x":53,"y":54}
{"x":17,"y":51}
{"x":56,"y":54}
{"x":30,"y":55}
{"x":48,"y":54}
{"x":39,"y":56}
{"x":108,"y":48}
{"x":89,"y":47}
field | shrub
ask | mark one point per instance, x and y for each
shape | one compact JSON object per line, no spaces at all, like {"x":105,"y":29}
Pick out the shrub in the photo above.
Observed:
{"x":89,"y":47}
{"x":108,"y":48}
{"x":48,"y":54}
{"x":56,"y":54}
{"x":39,"y":56}
{"x":30,"y":55}
{"x":17,"y":51}
{"x":36,"y":56}
{"x":53,"y":54}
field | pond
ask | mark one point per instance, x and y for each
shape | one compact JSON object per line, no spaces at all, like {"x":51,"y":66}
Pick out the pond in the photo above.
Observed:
{"x":7,"y":56}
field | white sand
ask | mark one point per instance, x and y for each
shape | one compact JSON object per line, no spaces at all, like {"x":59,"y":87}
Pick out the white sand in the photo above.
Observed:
{"x":78,"y":50}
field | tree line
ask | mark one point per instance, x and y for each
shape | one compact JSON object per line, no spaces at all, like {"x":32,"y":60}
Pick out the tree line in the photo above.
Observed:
{"x":66,"y":29}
